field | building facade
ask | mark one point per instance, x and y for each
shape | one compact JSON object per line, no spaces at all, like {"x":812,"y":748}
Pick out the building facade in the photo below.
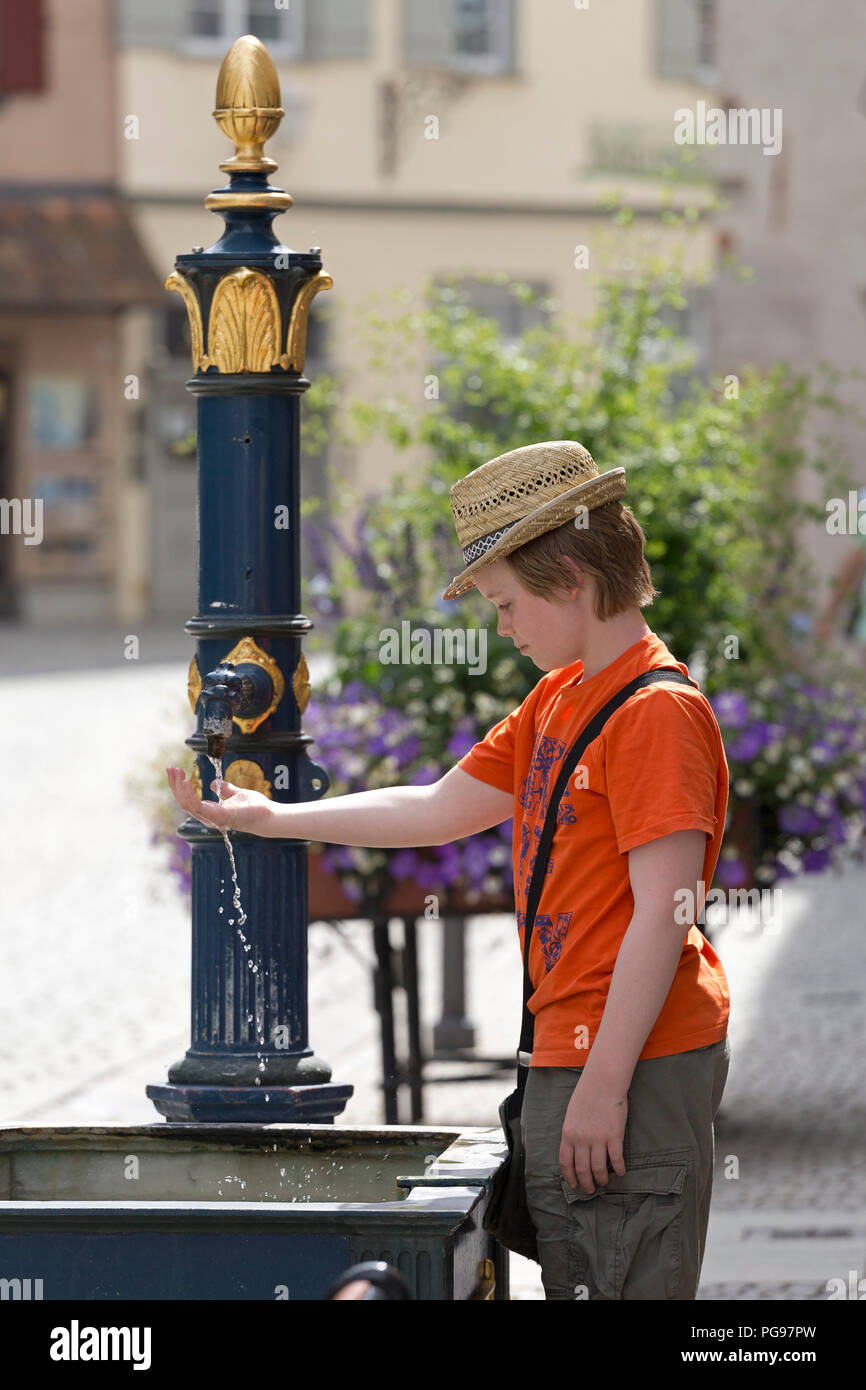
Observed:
{"x":460,"y":137}
{"x":73,"y":274}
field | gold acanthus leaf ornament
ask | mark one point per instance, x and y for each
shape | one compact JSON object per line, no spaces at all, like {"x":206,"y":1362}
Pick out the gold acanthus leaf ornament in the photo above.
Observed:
{"x":245,"y":329}
{"x":301,"y":683}
{"x":244,"y":326}
{"x":243,"y":772}
{"x":193,"y":684}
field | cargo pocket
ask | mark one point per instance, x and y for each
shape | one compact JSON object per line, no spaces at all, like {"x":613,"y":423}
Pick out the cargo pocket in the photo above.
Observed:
{"x":624,"y":1239}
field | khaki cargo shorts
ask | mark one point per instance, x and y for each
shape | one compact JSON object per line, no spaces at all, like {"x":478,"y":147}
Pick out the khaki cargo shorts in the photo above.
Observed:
{"x":643,"y":1235}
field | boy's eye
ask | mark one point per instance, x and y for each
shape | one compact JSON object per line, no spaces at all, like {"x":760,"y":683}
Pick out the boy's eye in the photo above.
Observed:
{"x":504,"y":605}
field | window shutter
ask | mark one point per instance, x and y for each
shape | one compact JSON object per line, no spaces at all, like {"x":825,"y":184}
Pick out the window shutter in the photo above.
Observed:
{"x":22,"y":46}
{"x":337,"y":29}
{"x":428,"y":32}
{"x":509,"y":47}
{"x":678,"y":38}
{"x":151,"y":23}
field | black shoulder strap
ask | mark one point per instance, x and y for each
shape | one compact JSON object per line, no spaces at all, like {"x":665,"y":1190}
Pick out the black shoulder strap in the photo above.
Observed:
{"x":569,"y":762}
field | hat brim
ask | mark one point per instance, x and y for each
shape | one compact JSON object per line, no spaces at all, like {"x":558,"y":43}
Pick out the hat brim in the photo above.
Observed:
{"x":607,"y":487}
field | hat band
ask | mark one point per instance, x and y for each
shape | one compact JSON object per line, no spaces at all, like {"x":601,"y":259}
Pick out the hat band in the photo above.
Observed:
{"x":485,"y":543}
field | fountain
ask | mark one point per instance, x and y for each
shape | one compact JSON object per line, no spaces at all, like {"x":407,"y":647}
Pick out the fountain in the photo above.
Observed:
{"x":246,"y":1189}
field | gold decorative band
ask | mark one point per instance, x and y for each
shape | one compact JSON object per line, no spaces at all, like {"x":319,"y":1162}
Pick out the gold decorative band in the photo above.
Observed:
{"x":215,"y":201}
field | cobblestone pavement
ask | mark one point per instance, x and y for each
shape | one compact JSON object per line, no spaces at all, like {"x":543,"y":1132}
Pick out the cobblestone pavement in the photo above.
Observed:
{"x":94,"y":997}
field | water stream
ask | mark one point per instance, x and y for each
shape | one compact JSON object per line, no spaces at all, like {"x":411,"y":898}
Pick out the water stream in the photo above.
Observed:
{"x":242,"y":916}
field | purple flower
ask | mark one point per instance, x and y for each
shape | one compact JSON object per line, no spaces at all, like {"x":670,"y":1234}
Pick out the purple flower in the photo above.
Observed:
{"x":423,"y":776}
{"x":476,"y":862}
{"x":816,"y":860}
{"x":428,"y":875}
{"x":404,"y":864}
{"x":799,"y":820}
{"x":730,"y":872}
{"x":460,"y":743}
{"x":749,"y":742}
{"x":449,"y":864}
{"x":731,"y":708}
{"x":407,"y":749}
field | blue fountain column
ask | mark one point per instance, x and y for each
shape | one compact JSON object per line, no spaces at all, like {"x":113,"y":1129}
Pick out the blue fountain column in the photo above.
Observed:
{"x":247,"y":297}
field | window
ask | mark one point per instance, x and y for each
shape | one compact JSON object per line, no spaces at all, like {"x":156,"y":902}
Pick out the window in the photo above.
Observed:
{"x":62,"y":412}
{"x":213,"y":25}
{"x":496,"y":301}
{"x":686,"y":40}
{"x":492,"y":299}
{"x":693,"y":324}
{"x":468,"y":35}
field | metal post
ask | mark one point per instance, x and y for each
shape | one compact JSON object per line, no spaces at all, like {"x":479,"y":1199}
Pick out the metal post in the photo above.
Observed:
{"x":248,"y":298}
{"x":454,"y":1031}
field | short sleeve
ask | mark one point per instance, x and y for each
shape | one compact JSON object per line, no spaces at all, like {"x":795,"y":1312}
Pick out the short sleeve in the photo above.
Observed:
{"x":662,"y":767}
{"x":492,"y":758}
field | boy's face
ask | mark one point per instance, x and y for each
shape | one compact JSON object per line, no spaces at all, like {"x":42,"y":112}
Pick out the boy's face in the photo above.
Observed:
{"x":549,"y":631}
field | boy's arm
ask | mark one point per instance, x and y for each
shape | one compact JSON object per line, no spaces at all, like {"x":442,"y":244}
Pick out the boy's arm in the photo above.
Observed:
{"x":645,"y":966}
{"x":400,"y":817}
{"x":386,"y":817}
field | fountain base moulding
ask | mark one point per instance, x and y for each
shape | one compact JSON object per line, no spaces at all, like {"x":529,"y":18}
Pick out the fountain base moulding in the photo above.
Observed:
{"x":250,"y":1104}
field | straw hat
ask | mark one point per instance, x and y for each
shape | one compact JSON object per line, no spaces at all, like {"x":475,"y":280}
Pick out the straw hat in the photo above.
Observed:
{"x":519,"y":495}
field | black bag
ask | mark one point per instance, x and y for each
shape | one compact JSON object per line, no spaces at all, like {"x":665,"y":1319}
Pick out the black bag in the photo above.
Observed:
{"x":507,"y":1216}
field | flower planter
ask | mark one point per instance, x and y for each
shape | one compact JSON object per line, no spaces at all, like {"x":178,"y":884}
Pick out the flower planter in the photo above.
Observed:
{"x":327,"y":898}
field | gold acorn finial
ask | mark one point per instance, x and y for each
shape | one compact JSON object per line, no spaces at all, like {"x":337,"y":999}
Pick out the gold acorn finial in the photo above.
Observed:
{"x":247,"y":104}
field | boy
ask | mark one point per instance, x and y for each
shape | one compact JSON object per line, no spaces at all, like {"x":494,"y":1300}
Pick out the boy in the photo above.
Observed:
{"x":630,"y":1000}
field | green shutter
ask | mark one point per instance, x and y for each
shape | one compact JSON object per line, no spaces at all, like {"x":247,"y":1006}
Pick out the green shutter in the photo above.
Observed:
{"x":337,"y":29}
{"x":678,"y":37}
{"x":155,"y":23}
{"x":428,"y":32}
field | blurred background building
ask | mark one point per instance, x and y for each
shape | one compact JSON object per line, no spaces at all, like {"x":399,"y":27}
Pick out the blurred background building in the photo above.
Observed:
{"x":107,"y":150}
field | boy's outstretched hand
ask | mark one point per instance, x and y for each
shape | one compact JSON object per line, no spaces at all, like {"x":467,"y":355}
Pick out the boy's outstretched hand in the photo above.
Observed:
{"x":239,"y":809}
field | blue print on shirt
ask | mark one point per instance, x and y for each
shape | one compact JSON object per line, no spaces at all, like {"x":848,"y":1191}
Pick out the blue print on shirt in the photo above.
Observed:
{"x":535,"y":788}
{"x":551,"y":937}
{"x":534,"y":796}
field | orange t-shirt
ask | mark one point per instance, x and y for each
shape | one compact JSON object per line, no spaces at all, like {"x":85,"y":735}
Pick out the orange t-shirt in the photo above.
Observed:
{"x":658,"y":765}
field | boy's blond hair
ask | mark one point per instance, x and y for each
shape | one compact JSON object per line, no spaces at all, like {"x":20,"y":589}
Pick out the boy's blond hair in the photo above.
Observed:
{"x":609,"y":547}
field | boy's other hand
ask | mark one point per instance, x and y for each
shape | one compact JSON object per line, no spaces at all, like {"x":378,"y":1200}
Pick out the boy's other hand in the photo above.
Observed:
{"x":239,"y":809}
{"x":594,"y":1126}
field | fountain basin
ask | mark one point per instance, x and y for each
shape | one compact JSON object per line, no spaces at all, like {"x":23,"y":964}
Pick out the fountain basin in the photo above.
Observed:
{"x":190,"y":1211}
